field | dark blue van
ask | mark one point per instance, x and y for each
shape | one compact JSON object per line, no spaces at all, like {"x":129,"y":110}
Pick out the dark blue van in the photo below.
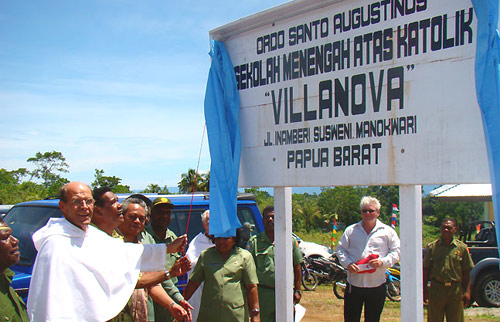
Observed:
{"x":27,"y":217}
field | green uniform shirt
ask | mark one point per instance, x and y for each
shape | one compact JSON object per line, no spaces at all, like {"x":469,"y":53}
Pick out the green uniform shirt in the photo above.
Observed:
{"x":155,"y":311}
{"x":224,"y":296}
{"x":447,"y":262}
{"x":12,"y":307}
{"x":262,"y":250}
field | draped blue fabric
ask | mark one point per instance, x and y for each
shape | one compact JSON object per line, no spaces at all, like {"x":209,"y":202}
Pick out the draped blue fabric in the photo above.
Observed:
{"x":221,"y":116}
{"x":488,"y":90}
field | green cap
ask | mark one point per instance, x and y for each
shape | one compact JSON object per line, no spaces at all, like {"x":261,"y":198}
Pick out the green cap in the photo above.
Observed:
{"x":163,"y":201}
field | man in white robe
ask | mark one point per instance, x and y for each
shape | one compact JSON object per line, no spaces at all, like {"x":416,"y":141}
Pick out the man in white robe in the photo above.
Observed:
{"x":199,"y":243}
{"x":81,"y":273}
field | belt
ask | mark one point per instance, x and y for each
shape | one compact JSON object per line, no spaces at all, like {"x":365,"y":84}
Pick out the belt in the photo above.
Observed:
{"x":447,"y":284}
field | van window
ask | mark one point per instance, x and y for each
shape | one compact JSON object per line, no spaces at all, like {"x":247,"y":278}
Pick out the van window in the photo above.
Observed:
{"x":180,"y":219}
{"x":248,"y":226}
{"x":179,"y":222}
{"x":24,"y":221}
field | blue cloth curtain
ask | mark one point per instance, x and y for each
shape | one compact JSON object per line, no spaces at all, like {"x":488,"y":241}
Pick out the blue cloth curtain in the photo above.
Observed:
{"x":488,"y":90}
{"x":221,"y":116}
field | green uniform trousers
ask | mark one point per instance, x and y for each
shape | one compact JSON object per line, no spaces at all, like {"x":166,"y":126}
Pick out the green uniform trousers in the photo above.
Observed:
{"x":445,"y":301}
{"x":267,"y":303}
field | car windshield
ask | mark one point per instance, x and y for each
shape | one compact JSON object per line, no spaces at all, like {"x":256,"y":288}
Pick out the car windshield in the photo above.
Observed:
{"x":24,"y":221}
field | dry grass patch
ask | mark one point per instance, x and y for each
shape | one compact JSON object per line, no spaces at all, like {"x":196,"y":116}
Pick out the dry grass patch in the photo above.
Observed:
{"x":323,"y":306}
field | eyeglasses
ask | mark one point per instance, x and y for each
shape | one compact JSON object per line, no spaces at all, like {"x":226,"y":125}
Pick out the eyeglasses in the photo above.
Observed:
{"x":133,"y":218}
{"x":81,"y":202}
{"x":368,"y":211}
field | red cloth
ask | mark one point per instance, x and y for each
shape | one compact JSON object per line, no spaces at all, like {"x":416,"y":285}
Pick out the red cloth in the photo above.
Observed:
{"x":364,"y":262}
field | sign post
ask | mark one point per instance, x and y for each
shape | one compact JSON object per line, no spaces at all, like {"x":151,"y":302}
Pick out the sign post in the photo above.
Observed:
{"x":410,"y":200}
{"x":347,"y":93}
{"x":283,"y":254}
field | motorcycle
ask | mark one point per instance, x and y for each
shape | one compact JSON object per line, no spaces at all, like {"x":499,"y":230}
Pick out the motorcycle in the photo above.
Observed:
{"x":321,"y":270}
{"x":309,"y":280}
{"x":393,"y":283}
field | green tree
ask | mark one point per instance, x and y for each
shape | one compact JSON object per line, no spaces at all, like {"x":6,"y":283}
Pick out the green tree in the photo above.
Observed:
{"x":154,"y":188}
{"x":262,"y":198}
{"x":204,"y":184}
{"x":49,"y":166}
{"x":306,"y":213}
{"x":13,"y":190}
{"x":462,"y":212}
{"x":109,"y":181}
{"x":193,"y":181}
{"x":343,"y":201}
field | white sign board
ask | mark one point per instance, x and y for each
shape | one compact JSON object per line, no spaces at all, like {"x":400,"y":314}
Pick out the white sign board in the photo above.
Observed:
{"x":358,"y":93}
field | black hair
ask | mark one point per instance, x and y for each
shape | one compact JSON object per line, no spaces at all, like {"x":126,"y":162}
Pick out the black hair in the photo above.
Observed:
{"x":98,"y":194}
{"x":267,"y":210}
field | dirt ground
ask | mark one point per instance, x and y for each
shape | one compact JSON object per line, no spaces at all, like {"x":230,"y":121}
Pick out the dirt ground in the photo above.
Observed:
{"x":323,"y":306}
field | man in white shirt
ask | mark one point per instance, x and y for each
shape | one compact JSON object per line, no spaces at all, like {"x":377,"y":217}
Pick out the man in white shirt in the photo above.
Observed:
{"x":81,"y":273}
{"x":199,"y":243}
{"x":367,"y":249}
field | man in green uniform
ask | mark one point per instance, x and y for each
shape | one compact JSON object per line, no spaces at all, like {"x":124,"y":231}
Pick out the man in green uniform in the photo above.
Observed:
{"x":261,"y":246}
{"x":157,"y":232}
{"x":447,"y":265}
{"x":230,"y":283}
{"x":12,"y":307}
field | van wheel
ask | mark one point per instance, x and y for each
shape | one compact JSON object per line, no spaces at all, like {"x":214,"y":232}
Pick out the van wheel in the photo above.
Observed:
{"x":488,"y":290}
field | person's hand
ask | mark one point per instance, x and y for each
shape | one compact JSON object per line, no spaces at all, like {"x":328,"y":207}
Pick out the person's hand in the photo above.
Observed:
{"x":297,"y":296}
{"x":180,"y":267}
{"x":375,"y":263}
{"x":188,"y":308}
{"x":178,"y":245}
{"x":353,"y":268}
{"x":466,"y":299}
{"x":186,"y":305}
{"x":255,"y":318}
{"x":179,"y":313}
{"x":426,"y":295}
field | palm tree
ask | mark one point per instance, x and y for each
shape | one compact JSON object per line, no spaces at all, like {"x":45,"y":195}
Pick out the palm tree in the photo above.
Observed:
{"x":152,"y":188}
{"x":188,"y":181}
{"x":204,"y":183}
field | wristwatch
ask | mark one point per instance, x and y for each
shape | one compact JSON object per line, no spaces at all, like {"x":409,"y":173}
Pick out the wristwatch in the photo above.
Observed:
{"x":167,"y":275}
{"x":254,"y":311}
{"x":297,"y":291}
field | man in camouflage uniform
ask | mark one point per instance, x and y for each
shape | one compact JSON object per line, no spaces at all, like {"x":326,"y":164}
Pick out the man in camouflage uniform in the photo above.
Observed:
{"x":447,"y":265}
{"x":261,"y":246}
{"x":12,"y":307}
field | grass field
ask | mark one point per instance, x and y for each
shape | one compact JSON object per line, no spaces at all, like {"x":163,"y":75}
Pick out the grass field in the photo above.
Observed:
{"x":323,"y":306}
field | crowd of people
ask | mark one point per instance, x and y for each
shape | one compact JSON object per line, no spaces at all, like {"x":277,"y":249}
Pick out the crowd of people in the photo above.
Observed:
{"x":107,"y":261}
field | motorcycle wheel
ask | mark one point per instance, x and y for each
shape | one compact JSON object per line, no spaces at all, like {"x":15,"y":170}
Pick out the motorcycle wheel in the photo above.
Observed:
{"x":309,"y":280}
{"x":394,"y":291}
{"x":339,"y":288}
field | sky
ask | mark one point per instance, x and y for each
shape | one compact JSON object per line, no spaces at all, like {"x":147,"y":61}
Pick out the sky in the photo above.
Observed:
{"x":116,"y":85}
